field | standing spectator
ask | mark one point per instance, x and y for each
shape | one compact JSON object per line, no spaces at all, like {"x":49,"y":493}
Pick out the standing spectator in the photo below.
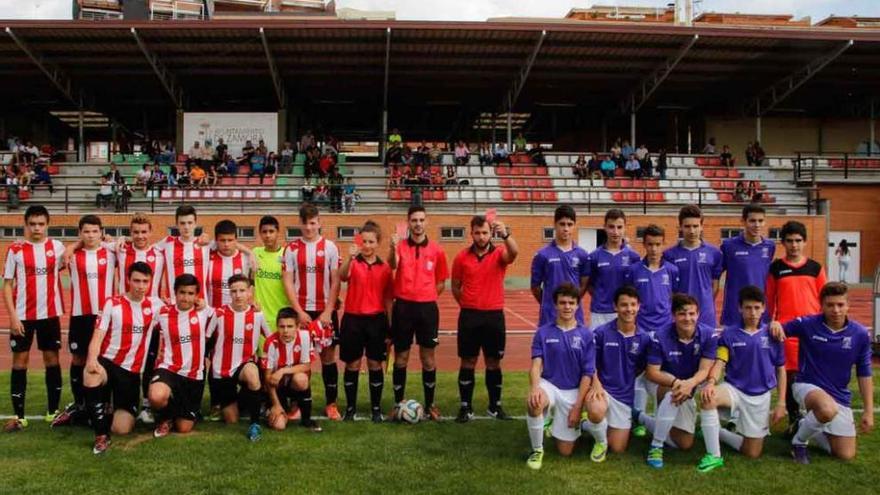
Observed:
{"x":709,"y":149}
{"x":395,"y":177}
{"x":843,"y":260}
{"x":519,"y":144}
{"x":462,"y":154}
{"x":501,"y":155}
{"x":420,"y":156}
{"x":536,"y":154}
{"x":307,"y":142}
{"x":349,"y":196}
{"x":123,"y":197}
{"x":288,"y":156}
{"x":632,"y":167}
{"x":750,"y":154}
{"x":626,"y":150}
{"x":326,"y":164}
{"x":220,"y":151}
{"x":394,"y":139}
{"x":616,"y":151}
{"x":642,"y":154}
{"x":115,"y":175}
{"x":105,"y":192}
{"x":142,"y":178}
{"x":207,"y":154}
{"x":759,"y":154}
{"x":727,"y":159}
{"x":247,"y":152}
{"x":580,"y":168}
{"x":336,"y":182}
{"x":662,"y":163}
{"x":451,"y":176}
{"x":608,"y":166}
{"x":195,"y":153}
{"x":261,"y":148}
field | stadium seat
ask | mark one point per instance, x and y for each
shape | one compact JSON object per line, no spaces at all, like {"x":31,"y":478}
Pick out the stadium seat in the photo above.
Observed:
{"x":638,"y":183}
{"x":633,"y":197}
{"x":264,"y":194}
{"x":612,"y":183}
{"x":225,"y":181}
{"x":516,"y":171}
{"x":521,"y":195}
{"x":656,"y":197}
{"x":541,"y":171}
{"x":193,"y":194}
{"x":528,"y":170}
{"x":652,"y":184}
{"x":709,"y":173}
{"x":547,"y":183}
{"x":502,"y":170}
{"x":626,"y":183}
{"x":618,"y":196}
{"x":269,"y":181}
{"x":253,"y":181}
{"x":222,"y":193}
{"x":725,"y":197}
{"x":240,"y":181}
{"x":550,"y":196}
{"x":531,"y":183}
{"x":235,"y":194}
{"x":507,"y":195}
{"x":406,"y":195}
{"x":618,"y":172}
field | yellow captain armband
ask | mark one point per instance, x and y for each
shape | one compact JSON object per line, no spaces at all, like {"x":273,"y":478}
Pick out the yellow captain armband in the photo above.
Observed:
{"x":722,"y":354}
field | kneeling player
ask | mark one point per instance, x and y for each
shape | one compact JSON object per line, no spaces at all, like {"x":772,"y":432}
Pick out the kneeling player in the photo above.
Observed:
{"x":116,"y":356}
{"x":621,"y":353}
{"x":563,"y":362}
{"x":287,"y":354}
{"x":678,"y":361}
{"x":755,"y":363}
{"x":235,"y":330}
{"x":830,"y":345}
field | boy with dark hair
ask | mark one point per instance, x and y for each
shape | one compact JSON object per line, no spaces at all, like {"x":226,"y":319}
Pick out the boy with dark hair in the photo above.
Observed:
{"x":746,"y":260}
{"x":226,"y":260}
{"x":268,"y":281}
{"x":609,"y":265}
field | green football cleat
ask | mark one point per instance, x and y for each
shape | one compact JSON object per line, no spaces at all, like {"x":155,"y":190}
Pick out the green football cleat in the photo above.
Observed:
{"x":600,"y":450}
{"x":50,"y":416}
{"x":709,"y":462}
{"x":640,"y":431}
{"x":536,"y":458}
{"x":655,"y":457}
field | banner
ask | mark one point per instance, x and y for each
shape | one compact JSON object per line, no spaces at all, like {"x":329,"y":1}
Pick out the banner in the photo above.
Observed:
{"x":234,"y":128}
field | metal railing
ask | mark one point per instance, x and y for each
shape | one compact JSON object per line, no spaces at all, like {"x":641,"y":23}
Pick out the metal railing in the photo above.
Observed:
{"x":808,"y":163}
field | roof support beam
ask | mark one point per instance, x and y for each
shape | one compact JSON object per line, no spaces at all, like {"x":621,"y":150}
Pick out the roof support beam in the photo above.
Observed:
{"x":58,"y":78}
{"x":773,"y":95}
{"x":165,"y":76}
{"x":277,"y":81}
{"x":647,"y":86}
{"x":384,"y":142}
{"x":520,"y":82}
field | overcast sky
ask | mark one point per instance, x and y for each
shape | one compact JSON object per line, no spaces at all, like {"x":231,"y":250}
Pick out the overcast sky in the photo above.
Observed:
{"x":480,"y":10}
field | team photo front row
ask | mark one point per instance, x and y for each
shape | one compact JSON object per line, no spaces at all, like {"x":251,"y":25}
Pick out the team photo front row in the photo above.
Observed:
{"x":151,"y":323}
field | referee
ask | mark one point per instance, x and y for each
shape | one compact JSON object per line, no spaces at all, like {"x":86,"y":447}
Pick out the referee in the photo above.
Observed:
{"x":478,"y":287}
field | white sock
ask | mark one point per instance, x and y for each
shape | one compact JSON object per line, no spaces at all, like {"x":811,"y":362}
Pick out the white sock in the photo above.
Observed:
{"x":711,"y":425}
{"x":641,"y":394}
{"x":732,"y":439}
{"x":599,"y":431}
{"x":809,"y":427}
{"x":666,"y":413}
{"x":648,"y":421}
{"x":536,"y":431}
{"x":821,"y":440}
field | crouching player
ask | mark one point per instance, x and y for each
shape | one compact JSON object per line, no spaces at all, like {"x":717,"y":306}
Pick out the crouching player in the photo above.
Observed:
{"x":235,"y":331}
{"x":678,"y":361}
{"x":287,"y":356}
{"x":754,"y":363}
{"x":563,"y":363}
{"x":830,"y":345}
{"x":116,"y":356}
{"x":621,"y":354}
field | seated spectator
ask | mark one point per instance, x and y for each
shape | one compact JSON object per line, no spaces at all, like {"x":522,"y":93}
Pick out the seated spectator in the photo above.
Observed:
{"x":646,"y":162}
{"x":331,"y":145}
{"x":142,"y":178}
{"x":520,"y":143}
{"x":42,"y":177}
{"x":311,"y":164}
{"x":395,"y":178}
{"x":231,"y":165}
{"x":288,"y":156}
{"x":501,"y":155}
{"x":308,"y":190}
{"x":536,"y":154}
{"x":157,"y":178}
{"x":325,"y":164}
{"x":183,"y":178}
{"x":222,"y":168}
{"x":322,"y":192}
{"x":434,"y":154}
{"x":261,"y":148}
{"x":437,"y":180}
{"x":410,"y":176}
{"x":123,"y":197}
{"x":195,"y":152}
{"x":727,"y":159}
{"x":754,"y":192}
{"x":462,"y":154}
{"x":115,"y":174}
{"x":632,"y":167}
{"x":608,"y":167}
{"x":258,"y":164}
{"x":642,"y":154}
{"x":307,"y":142}
{"x":395,"y":155}
{"x":168,"y":154}
{"x":271,"y":165}
{"x":335,"y":182}
{"x":211,"y":171}
{"x":594,"y":166}
{"x":421,"y":154}
{"x":750,"y":154}
{"x":709,"y":149}
{"x":661,"y":163}
{"x":451,"y":176}
{"x":423,"y":174}
{"x":105,"y":192}
{"x":580,"y":168}
{"x":198,"y":177}
{"x":616,"y":155}
{"x":349,"y":196}
{"x":394,"y":139}
{"x":739,"y":193}
{"x":485,"y":154}
{"x":24,"y":175}
{"x":247,"y":152}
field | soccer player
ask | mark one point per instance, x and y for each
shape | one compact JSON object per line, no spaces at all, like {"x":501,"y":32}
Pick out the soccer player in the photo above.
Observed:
{"x":830,"y":345}
{"x":178,"y":382}
{"x":185,"y":253}
{"x":287,"y":355}
{"x":679,"y":360}
{"x":225,"y":261}
{"x":560,"y":261}
{"x":563,"y":364}
{"x":268,"y":284}
{"x":609,"y":264}
{"x":793,"y":287}
{"x":478,"y":287}
{"x":699,"y":264}
{"x":116,"y":356}
{"x":32,"y":293}
{"x":420,"y":278}
{"x":621,"y":355}
{"x":92,"y":268}
{"x":311,"y":281}
{"x":746,"y":260}
{"x":235,"y":330}
{"x":753,"y":364}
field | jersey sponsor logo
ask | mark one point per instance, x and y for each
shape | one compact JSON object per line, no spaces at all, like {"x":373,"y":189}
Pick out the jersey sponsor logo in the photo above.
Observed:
{"x":643,"y":280}
{"x":268,"y":275}
{"x":680,"y":260}
{"x":819,"y":338}
{"x":674,"y":353}
{"x":311,"y":269}
{"x":36,"y":271}
{"x":785,"y":272}
{"x":137,"y":329}
{"x":92,"y":275}
{"x":612,"y":344}
{"x":238,"y":340}
{"x":741,"y":253}
{"x":552,"y":260}
{"x":600,"y":265}
{"x":184,"y":339}
{"x":846,"y":343}
{"x":738,"y":344}
{"x":551,"y":341}
{"x":184,"y":262}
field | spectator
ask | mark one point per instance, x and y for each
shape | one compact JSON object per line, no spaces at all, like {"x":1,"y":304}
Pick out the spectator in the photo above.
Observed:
{"x":519,"y":144}
{"x":646,"y":162}
{"x":485,"y":154}
{"x":183,"y":178}
{"x":754,"y":192}
{"x":308,"y":190}
{"x":220,"y":151}
{"x":616,"y":155}
{"x":536,"y":154}
{"x":322,"y":192}
{"x":42,"y":177}
{"x":462,"y":154}
{"x":437,"y":180}
{"x":594,"y":166}
{"x":626,"y":150}
{"x":423,"y":174}
{"x":261,"y":148}
{"x":311,"y":163}
{"x":195,"y":153}
{"x":580,"y":168}
{"x":23,"y":174}
{"x":207,"y":154}
{"x":661,"y":163}
{"x":434,"y":154}
{"x":395,"y":154}
{"x":451,"y":176}
{"x":211,"y":171}
{"x":326,"y":164}
{"x":727,"y":159}
{"x":420,"y":155}
{"x":247,"y":152}
{"x":115,"y":175}
{"x":608,"y":166}
{"x":157,"y":178}
{"x":331,"y":145}
{"x":709,"y":149}
{"x":198,"y":177}
{"x":739,"y":194}
{"x":410,"y":177}
{"x":632,"y":167}
{"x":395,"y":178}
{"x":31,"y":152}
{"x":123,"y":197}
{"x":642,"y":153}
{"x":750,"y":154}
{"x":173,"y":176}
{"x":258,"y":164}
{"x":12,"y":189}
{"x":501,"y":155}
{"x":231,"y":165}
{"x":142,"y":178}
{"x":307,"y":142}
{"x":105,"y":192}
{"x":759,"y":154}
{"x":336,"y":182}
{"x":394,"y":139}
{"x":154,"y":149}
{"x":288,"y":156}
{"x":349,"y":196}
{"x":271,"y":166}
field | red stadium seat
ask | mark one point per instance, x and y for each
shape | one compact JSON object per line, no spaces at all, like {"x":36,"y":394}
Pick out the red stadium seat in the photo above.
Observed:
{"x":725,"y":197}
{"x":626,"y":183}
{"x":436,"y":169}
{"x":536,"y":196}
{"x":240,"y":181}
{"x":634,"y":197}
{"x":716,"y":184}
{"x":638,"y":183}
{"x":516,"y":171}
{"x":652,"y":184}
{"x":617,"y":196}
{"x":531,"y":183}
{"x":24,"y":194}
{"x":225,"y":181}
{"x":52,"y":169}
{"x":550,"y":196}
{"x":244,"y":169}
{"x":656,"y":197}
{"x":547,"y":183}
{"x":612,"y":183}
{"x":253,"y":181}
{"x":618,"y":172}
{"x":521,"y":195}
{"x":729,"y":185}
{"x":517,"y":182}
{"x":507,"y":195}
{"x":541,"y":171}
{"x":504,"y":182}
{"x":395,"y":195}
{"x":530,"y":170}
{"x":709,"y":173}
{"x":502,"y":170}
{"x":269,"y":181}
{"x":407,"y":194}
{"x":836,"y":163}
{"x":182,"y":158}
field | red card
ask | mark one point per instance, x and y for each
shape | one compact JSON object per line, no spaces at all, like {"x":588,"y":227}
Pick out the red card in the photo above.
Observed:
{"x":358,"y":240}
{"x":491,"y":215}
{"x":402,"y":229}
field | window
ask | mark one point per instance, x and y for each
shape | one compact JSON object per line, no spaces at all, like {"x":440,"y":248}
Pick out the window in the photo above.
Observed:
{"x":775,"y":234}
{"x":640,"y":233}
{"x":549,"y":233}
{"x":172,"y":231}
{"x":64,"y":232}
{"x":11,"y":232}
{"x":451,"y":233}
{"x":294,"y":233}
{"x":730,"y":233}
{"x":117,"y":231}
{"x":245,"y":233}
{"x":346,"y":233}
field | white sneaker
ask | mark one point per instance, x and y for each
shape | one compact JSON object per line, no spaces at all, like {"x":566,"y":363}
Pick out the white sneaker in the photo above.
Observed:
{"x":146,"y":416}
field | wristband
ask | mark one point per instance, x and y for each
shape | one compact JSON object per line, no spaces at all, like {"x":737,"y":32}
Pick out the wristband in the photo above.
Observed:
{"x":672,"y":385}
{"x":505,"y":236}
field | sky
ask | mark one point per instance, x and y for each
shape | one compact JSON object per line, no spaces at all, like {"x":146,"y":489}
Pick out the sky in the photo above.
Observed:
{"x":480,"y":10}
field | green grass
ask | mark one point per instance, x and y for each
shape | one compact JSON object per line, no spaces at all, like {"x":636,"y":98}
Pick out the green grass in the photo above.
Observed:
{"x":485,"y":456}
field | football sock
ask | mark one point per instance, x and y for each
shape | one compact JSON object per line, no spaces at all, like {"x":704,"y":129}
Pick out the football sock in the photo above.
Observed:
{"x":536,"y":431}
{"x":494,"y":382}
{"x":809,"y":427}
{"x":212,"y":384}
{"x":666,"y":413}
{"x":711,"y":425}
{"x":76,"y":385}
{"x":734,"y":440}
{"x":305,"y":405}
{"x":18,"y":390}
{"x":377,"y":381}
{"x":398,"y":380}
{"x":599,"y":430}
{"x":97,"y":409}
{"x":252,"y":403}
{"x":149,"y":365}
{"x":466,"y":386}
{"x":54,"y":384}
{"x":350,"y":382}
{"x":648,"y":421}
{"x":640,"y":400}
{"x":330,"y":374}
{"x":821,"y":440}
{"x":429,"y":383}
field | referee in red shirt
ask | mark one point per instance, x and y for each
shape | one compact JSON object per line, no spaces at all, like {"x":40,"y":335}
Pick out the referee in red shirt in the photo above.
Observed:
{"x":420,"y":276}
{"x":478,"y":287}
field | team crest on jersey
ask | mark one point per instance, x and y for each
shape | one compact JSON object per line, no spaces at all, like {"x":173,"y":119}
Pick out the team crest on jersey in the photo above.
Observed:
{"x":576,"y":342}
{"x":696,"y":349}
{"x":151,"y":258}
{"x":575,"y":262}
{"x":50,"y":253}
{"x":765,"y":342}
{"x":765,"y":253}
{"x":320,"y":253}
{"x":664,"y":279}
{"x":297,"y":348}
{"x":249,"y":326}
{"x":701,"y":257}
{"x":634,"y":347}
{"x":193,"y":320}
{"x":624,"y":261}
{"x":847,"y":343}
{"x":148,"y":311}
{"x":429,"y":265}
{"x":102,"y":261}
{"x":237,"y":271}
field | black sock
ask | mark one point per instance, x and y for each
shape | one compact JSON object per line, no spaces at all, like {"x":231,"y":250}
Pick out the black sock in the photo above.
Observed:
{"x":330,"y":373}
{"x":18,"y":390}
{"x":94,"y":398}
{"x":377,"y":381}
{"x":493,"y":386}
{"x":350,"y":382}
{"x":305,"y":406}
{"x":466,"y":386}
{"x":429,"y":383}
{"x":398,"y":380}
{"x":251,"y":399}
{"x":54,"y":384}
{"x":76,"y":385}
{"x":791,"y":405}
{"x":211,"y":387}
{"x":149,"y":365}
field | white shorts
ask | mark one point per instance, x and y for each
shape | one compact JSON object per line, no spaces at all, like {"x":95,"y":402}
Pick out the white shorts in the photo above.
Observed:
{"x":686,"y":418}
{"x":561,"y":402}
{"x":751,"y":413}
{"x":598,"y":319}
{"x":651,"y":387}
{"x":842,"y":425}
{"x":619,"y":414}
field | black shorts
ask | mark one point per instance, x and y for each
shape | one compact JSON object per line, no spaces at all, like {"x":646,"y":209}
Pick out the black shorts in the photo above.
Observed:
{"x":414,"y":319}
{"x":48,"y":335}
{"x":186,"y":393}
{"x":334,"y":321}
{"x":360,"y":333}
{"x":124,"y":386}
{"x":224,"y":391}
{"x":481,"y":330}
{"x":80,"y":335}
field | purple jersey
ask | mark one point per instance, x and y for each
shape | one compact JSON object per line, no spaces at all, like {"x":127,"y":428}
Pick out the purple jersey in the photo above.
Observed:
{"x":551,"y":267}
{"x":826,"y":357}
{"x":607,"y":273}
{"x":697,"y":269}
{"x":655,"y":293}
{"x":752,"y":359}
{"x":567,"y":356}
{"x":746,"y":264}
{"x":619,"y":359}
{"x":682,"y":359}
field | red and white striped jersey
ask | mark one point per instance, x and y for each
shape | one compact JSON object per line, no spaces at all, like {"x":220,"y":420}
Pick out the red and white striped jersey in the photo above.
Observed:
{"x":35,"y":268}
{"x":91,"y":280}
{"x":238,"y":335}
{"x":220,"y":269}
{"x":151,"y":256}
{"x":185,"y":257}
{"x":278,"y":354}
{"x":311,"y":264}
{"x":182,"y":340}
{"x":128,"y":325}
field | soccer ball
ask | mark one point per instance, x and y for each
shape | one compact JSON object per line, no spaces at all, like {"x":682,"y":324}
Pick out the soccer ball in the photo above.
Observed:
{"x":410,"y":412}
